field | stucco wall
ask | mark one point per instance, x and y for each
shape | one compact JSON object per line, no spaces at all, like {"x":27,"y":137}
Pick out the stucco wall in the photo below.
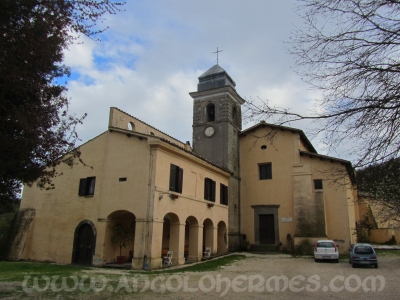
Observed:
{"x":279,"y":189}
{"x":303,"y":211}
{"x":383,"y":235}
{"x":59,"y":211}
{"x":123,"y":120}
{"x":338,"y":199}
{"x":144,"y":192}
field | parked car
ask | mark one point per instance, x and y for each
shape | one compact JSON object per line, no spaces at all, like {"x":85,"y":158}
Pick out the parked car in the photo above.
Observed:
{"x":362,"y":254}
{"x":326,"y":249}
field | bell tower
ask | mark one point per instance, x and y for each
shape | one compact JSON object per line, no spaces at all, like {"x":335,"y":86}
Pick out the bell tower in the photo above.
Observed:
{"x":217,"y":122}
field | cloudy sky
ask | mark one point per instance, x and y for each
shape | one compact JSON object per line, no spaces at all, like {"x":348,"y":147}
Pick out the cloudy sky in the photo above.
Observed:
{"x":151,"y":56}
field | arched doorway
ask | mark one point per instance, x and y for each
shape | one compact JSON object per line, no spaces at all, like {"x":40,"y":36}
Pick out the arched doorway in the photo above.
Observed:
{"x":222,"y":240}
{"x":112,"y":250}
{"x":208,"y":235}
{"x":170,"y":238}
{"x":84,"y":243}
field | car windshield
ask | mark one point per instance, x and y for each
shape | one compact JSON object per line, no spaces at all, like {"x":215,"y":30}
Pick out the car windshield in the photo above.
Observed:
{"x":363,"y":250}
{"x":325,"y":245}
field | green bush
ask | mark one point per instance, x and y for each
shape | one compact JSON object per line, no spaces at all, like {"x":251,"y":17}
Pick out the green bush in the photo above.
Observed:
{"x":5,"y":224}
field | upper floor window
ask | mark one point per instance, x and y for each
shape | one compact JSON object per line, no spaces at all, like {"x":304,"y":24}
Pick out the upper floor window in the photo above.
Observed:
{"x":86,"y":186}
{"x":209,"y":189}
{"x":223,"y":199}
{"x":265,"y":171}
{"x":317,"y":184}
{"x":175,"y":179}
{"x":210,"y":112}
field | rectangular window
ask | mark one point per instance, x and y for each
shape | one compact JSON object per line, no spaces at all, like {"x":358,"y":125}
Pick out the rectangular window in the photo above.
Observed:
{"x":223,"y":198}
{"x":175,"y":179}
{"x":317,"y":184}
{"x":265,"y":171}
{"x":86,"y":186}
{"x":209,"y":189}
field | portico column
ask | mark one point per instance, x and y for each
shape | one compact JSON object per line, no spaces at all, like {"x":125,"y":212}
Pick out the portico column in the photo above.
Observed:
{"x":138,"y":249}
{"x":214,"y":240}
{"x":177,"y":242}
{"x":195,"y":242}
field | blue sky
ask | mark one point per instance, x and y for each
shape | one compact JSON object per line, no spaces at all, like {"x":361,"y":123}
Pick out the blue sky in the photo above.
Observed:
{"x":151,"y":56}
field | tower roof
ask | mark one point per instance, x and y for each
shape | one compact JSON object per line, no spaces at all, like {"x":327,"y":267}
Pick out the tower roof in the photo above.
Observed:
{"x":213,"y":78}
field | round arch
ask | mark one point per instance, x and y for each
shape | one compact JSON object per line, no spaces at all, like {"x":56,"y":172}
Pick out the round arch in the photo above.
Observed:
{"x":111,"y":250}
{"x":84,"y":245}
{"x":208,"y":235}
{"x":222,"y":238}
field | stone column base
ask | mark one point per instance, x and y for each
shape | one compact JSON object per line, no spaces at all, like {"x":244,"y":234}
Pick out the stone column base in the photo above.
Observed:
{"x":137,"y":263}
{"x":194,"y":258}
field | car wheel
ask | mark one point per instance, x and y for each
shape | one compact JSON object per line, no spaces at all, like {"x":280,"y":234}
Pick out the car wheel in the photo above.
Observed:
{"x":376,"y":266}
{"x":316,"y":260}
{"x":337,"y":260}
{"x":353,"y":265}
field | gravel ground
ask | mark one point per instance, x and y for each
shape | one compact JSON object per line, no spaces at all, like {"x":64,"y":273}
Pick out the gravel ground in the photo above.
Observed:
{"x":256,"y":277}
{"x":280,"y":277}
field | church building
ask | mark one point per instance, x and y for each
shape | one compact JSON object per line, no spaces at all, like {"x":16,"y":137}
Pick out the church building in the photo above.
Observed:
{"x":264,"y":185}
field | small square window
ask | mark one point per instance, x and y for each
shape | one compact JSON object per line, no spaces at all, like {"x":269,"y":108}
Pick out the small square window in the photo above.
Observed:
{"x":317,"y":184}
{"x":265,"y":171}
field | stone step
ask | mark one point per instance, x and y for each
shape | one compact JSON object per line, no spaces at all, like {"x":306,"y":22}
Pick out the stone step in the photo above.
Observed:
{"x":263,"y":248}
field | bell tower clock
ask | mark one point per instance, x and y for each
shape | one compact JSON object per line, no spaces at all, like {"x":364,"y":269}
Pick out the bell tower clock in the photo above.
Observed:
{"x":216,"y":127}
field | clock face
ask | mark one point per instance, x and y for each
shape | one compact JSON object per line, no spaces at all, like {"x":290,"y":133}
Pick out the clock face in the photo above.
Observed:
{"x":209,"y":131}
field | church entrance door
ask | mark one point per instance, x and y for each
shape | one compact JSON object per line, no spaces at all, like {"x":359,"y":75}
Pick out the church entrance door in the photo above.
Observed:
{"x":267,"y":229}
{"x":84,"y":245}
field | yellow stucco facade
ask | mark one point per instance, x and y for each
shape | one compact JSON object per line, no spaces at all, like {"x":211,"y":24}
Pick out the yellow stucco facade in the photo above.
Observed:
{"x":258,"y":186}
{"x":132,"y":177}
{"x":289,"y":196}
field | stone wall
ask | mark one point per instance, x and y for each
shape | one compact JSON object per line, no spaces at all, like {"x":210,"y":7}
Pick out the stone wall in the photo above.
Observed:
{"x":18,"y":233}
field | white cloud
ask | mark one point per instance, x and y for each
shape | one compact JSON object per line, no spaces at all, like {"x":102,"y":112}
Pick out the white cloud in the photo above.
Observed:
{"x":150,"y":58}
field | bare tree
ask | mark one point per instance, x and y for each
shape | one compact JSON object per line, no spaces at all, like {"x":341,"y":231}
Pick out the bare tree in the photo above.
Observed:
{"x":349,"y":50}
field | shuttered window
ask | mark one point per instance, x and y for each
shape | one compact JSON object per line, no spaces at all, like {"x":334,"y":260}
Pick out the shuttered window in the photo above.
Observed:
{"x":86,"y":186}
{"x":175,"y":179}
{"x":223,"y":194}
{"x":209,"y":189}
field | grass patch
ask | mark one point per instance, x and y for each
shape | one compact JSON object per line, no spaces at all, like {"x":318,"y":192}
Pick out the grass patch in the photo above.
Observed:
{"x":16,"y":271}
{"x":208,"y":266}
{"x":49,"y":280}
{"x":387,"y":253}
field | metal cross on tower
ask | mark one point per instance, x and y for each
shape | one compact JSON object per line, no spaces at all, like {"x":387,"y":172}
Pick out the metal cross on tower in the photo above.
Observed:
{"x":217,"y":53}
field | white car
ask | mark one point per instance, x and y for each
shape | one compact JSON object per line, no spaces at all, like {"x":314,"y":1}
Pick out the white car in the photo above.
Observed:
{"x":326,"y":249}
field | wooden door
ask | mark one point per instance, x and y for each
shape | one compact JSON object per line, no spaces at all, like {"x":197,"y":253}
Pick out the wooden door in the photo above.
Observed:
{"x":84,"y":245}
{"x":267,"y":229}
